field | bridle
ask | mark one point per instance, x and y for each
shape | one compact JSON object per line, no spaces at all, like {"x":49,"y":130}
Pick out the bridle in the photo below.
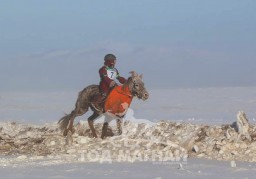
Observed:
{"x":134,"y":90}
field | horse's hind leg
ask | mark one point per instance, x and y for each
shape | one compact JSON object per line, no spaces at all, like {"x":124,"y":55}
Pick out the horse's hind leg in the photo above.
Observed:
{"x":90,"y":122}
{"x":67,"y":122}
{"x":70,"y":127}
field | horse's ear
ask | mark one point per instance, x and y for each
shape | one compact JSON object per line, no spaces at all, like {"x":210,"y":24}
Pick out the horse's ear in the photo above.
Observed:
{"x":134,"y":74}
{"x":141,"y":76}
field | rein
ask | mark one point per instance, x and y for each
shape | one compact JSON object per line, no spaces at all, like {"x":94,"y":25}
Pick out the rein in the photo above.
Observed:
{"x":126,"y":85}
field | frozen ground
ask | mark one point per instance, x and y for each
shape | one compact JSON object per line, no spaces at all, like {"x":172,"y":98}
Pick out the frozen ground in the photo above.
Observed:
{"x":213,"y":106}
{"x":195,"y":168}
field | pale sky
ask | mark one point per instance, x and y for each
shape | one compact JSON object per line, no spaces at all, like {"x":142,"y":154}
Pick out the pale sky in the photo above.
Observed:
{"x":54,"y":44}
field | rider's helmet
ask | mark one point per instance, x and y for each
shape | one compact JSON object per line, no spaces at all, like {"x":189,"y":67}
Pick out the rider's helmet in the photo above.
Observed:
{"x":110,"y":60}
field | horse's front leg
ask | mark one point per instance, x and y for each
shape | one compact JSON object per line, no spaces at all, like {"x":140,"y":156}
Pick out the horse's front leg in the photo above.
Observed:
{"x":104,"y":130}
{"x":119,"y":122}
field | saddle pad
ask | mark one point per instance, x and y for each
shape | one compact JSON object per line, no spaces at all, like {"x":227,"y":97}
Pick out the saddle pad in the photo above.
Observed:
{"x":118,"y":101}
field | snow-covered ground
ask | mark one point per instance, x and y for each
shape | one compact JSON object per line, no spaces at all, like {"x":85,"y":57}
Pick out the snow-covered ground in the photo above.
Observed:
{"x":194,"y":169}
{"x":213,"y":106}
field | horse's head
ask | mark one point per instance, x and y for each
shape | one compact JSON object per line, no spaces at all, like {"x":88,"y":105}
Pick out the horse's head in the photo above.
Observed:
{"x":136,"y":86}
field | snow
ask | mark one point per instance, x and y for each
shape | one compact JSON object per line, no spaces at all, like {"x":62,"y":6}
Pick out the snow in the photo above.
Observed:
{"x":213,"y":106}
{"x":195,"y":168}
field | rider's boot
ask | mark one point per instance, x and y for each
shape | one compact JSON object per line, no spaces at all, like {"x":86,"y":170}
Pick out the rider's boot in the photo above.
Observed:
{"x":98,"y":102}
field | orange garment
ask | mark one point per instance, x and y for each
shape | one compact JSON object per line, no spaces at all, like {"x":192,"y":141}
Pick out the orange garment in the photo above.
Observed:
{"x":118,"y":101}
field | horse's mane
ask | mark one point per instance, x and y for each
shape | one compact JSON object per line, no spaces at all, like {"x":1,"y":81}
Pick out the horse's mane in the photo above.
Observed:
{"x":127,"y":83}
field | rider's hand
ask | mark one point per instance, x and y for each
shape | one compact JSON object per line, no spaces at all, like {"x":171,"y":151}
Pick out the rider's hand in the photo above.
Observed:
{"x":112,"y":84}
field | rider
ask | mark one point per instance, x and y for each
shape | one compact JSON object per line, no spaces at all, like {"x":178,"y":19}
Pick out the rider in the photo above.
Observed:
{"x":108,"y":74}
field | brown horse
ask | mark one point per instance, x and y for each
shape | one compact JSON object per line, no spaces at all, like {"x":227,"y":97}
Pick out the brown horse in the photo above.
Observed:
{"x":134,"y":85}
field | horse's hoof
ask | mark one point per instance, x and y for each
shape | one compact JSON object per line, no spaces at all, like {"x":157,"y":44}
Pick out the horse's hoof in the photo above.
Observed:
{"x":73,"y":130}
{"x":65,"y":132}
{"x":69,"y":139}
{"x":91,"y":135}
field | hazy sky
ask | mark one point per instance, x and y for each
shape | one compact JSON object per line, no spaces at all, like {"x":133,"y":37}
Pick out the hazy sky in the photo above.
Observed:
{"x":55,"y":44}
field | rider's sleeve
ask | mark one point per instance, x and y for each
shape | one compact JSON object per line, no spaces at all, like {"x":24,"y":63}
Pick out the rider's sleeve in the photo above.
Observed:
{"x":120,"y":78}
{"x":104,"y":76}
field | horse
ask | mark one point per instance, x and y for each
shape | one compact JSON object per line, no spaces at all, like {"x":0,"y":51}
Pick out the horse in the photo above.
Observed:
{"x":112,"y":109}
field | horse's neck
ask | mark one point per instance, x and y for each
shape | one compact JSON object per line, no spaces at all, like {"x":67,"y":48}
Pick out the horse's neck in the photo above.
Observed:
{"x":128,"y":84}
{"x":124,"y":91}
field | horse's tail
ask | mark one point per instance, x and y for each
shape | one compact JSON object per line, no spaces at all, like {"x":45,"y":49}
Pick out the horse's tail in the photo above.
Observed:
{"x":82,"y":105}
{"x":64,"y":121}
